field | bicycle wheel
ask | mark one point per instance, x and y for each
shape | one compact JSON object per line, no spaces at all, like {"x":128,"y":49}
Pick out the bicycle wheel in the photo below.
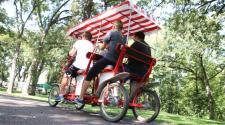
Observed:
{"x":52,"y":95}
{"x":114,"y":102}
{"x":147,"y":105}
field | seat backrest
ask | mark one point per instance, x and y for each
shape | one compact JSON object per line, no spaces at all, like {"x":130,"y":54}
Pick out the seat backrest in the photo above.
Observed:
{"x":143,"y":58}
{"x":139,"y":56}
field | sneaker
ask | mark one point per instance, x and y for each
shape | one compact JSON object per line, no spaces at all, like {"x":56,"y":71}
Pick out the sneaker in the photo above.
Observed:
{"x":146,"y":106}
{"x":59,"y":98}
{"x":79,"y":101}
{"x":114,"y":100}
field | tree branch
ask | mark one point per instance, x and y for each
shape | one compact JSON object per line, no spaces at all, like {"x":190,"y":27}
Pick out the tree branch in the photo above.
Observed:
{"x":21,"y":16}
{"x":182,"y":68}
{"x":17,"y":13}
{"x":31,"y":12}
{"x":55,"y":17}
{"x":205,"y":3}
{"x":221,"y":10}
{"x":57,"y":10}
{"x":179,"y":65}
{"x":218,"y":72}
{"x":64,"y":18}
{"x":40,"y":17}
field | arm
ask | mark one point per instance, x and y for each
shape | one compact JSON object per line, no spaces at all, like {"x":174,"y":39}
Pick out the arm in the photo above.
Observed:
{"x":103,"y":46}
{"x":72,"y":54}
{"x":106,"y":41}
{"x":73,"y":51}
{"x":70,"y":58}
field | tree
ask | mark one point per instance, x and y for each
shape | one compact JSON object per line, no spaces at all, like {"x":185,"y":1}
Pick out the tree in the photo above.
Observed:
{"x":195,"y":43}
{"x":83,"y":9}
{"x":22,"y":8}
{"x":199,"y":28}
{"x":45,"y":23}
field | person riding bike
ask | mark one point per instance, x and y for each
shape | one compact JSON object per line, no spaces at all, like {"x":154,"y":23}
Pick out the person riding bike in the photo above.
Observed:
{"x":80,"y":48}
{"x":134,"y":66}
{"x":110,"y":41}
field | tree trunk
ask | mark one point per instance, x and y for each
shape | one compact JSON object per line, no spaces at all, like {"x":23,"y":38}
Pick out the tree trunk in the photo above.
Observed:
{"x":28,"y":80}
{"x":196,"y":82}
{"x":23,"y":74}
{"x":13,"y":69}
{"x":2,"y":78}
{"x":36,"y":71}
{"x":208,"y":91}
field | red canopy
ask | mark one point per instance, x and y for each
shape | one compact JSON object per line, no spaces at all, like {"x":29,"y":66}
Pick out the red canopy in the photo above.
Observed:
{"x":133,"y":18}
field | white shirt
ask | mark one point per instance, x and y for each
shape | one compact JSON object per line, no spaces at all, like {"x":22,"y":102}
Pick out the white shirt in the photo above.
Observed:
{"x":82,"y":47}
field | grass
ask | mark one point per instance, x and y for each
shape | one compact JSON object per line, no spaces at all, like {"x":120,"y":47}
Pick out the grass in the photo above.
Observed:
{"x":185,"y":120}
{"x":163,"y":117}
{"x":169,"y":118}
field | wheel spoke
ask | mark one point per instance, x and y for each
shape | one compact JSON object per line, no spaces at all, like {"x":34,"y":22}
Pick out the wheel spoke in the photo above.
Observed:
{"x":115,"y":102}
{"x":52,"y":96}
{"x":150,"y":105}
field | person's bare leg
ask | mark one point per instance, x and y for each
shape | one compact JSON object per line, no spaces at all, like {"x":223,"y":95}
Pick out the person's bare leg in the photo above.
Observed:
{"x":134,"y":86}
{"x":84,"y":88}
{"x":63,"y":84}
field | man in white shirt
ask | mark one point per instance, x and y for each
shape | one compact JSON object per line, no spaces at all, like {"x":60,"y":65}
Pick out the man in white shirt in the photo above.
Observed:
{"x":80,"y":48}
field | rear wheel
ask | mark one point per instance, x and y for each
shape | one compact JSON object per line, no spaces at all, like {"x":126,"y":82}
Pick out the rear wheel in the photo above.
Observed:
{"x":54,"y":92}
{"x":150,"y":105}
{"x":114,"y":102}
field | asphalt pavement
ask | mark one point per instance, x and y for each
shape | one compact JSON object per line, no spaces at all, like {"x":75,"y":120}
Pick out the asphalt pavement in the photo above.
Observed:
{"x":20,"y":111}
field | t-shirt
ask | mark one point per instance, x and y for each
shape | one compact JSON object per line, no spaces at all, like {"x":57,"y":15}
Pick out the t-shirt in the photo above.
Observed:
{"x":112,"y":38}
{"x":136,"y":66}
{"x":82,"y":47}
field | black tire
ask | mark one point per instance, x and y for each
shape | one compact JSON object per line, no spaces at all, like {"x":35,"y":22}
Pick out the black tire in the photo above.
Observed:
{"x":151,"y":101}
{"x":52,"y":94}
{"x":119,"y":101}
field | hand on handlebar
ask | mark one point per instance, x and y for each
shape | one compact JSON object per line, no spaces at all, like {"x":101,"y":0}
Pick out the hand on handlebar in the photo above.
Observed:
{"x":101,"y":45}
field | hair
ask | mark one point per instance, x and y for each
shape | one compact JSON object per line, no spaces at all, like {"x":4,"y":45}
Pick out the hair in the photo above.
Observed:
{"x":87,"y":35}
{"x":118,"y":24}
{"x":140,"y":35}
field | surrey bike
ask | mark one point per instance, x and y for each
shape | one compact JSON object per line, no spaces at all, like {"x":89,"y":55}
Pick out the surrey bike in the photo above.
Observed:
{"x":108,"y":91}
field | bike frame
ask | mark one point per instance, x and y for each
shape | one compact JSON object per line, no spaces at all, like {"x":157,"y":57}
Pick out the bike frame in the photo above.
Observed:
{"x":124,"y":52}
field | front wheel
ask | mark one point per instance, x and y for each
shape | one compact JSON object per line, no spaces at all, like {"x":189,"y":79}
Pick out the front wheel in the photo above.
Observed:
{"x":54,"y":92}
{"x":114,"y":102}
{"x":147,"y":105}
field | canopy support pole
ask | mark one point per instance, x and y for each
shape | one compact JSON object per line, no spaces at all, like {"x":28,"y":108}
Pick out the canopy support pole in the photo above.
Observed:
{"x":99,"y":33}
{"x":128,"y":29}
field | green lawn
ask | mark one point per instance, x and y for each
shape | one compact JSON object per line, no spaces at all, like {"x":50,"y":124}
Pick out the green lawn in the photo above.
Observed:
{"x":162,"y":118}
{"x":169,"y":118}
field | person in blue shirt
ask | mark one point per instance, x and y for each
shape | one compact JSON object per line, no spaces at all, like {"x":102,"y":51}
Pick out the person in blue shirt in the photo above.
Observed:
{"x":110,"y":41}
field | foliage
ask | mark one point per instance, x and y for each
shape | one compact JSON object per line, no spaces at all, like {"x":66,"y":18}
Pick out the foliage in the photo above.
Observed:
{"x":188,"y":37}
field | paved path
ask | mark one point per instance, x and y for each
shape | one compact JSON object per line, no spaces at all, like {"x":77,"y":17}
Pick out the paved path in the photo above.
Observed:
{"x":19,"y":111}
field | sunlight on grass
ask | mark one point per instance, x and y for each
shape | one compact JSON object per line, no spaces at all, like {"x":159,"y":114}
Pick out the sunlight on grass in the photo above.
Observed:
{"x":38,"y":97}
{"x":2,"y":90}
{"x":185,"y":120}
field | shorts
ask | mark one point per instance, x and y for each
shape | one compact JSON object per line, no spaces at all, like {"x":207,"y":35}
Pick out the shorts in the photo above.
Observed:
{"x":98,"y":67}
{"x":72,"y":71}
{"x":131,"y":70}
